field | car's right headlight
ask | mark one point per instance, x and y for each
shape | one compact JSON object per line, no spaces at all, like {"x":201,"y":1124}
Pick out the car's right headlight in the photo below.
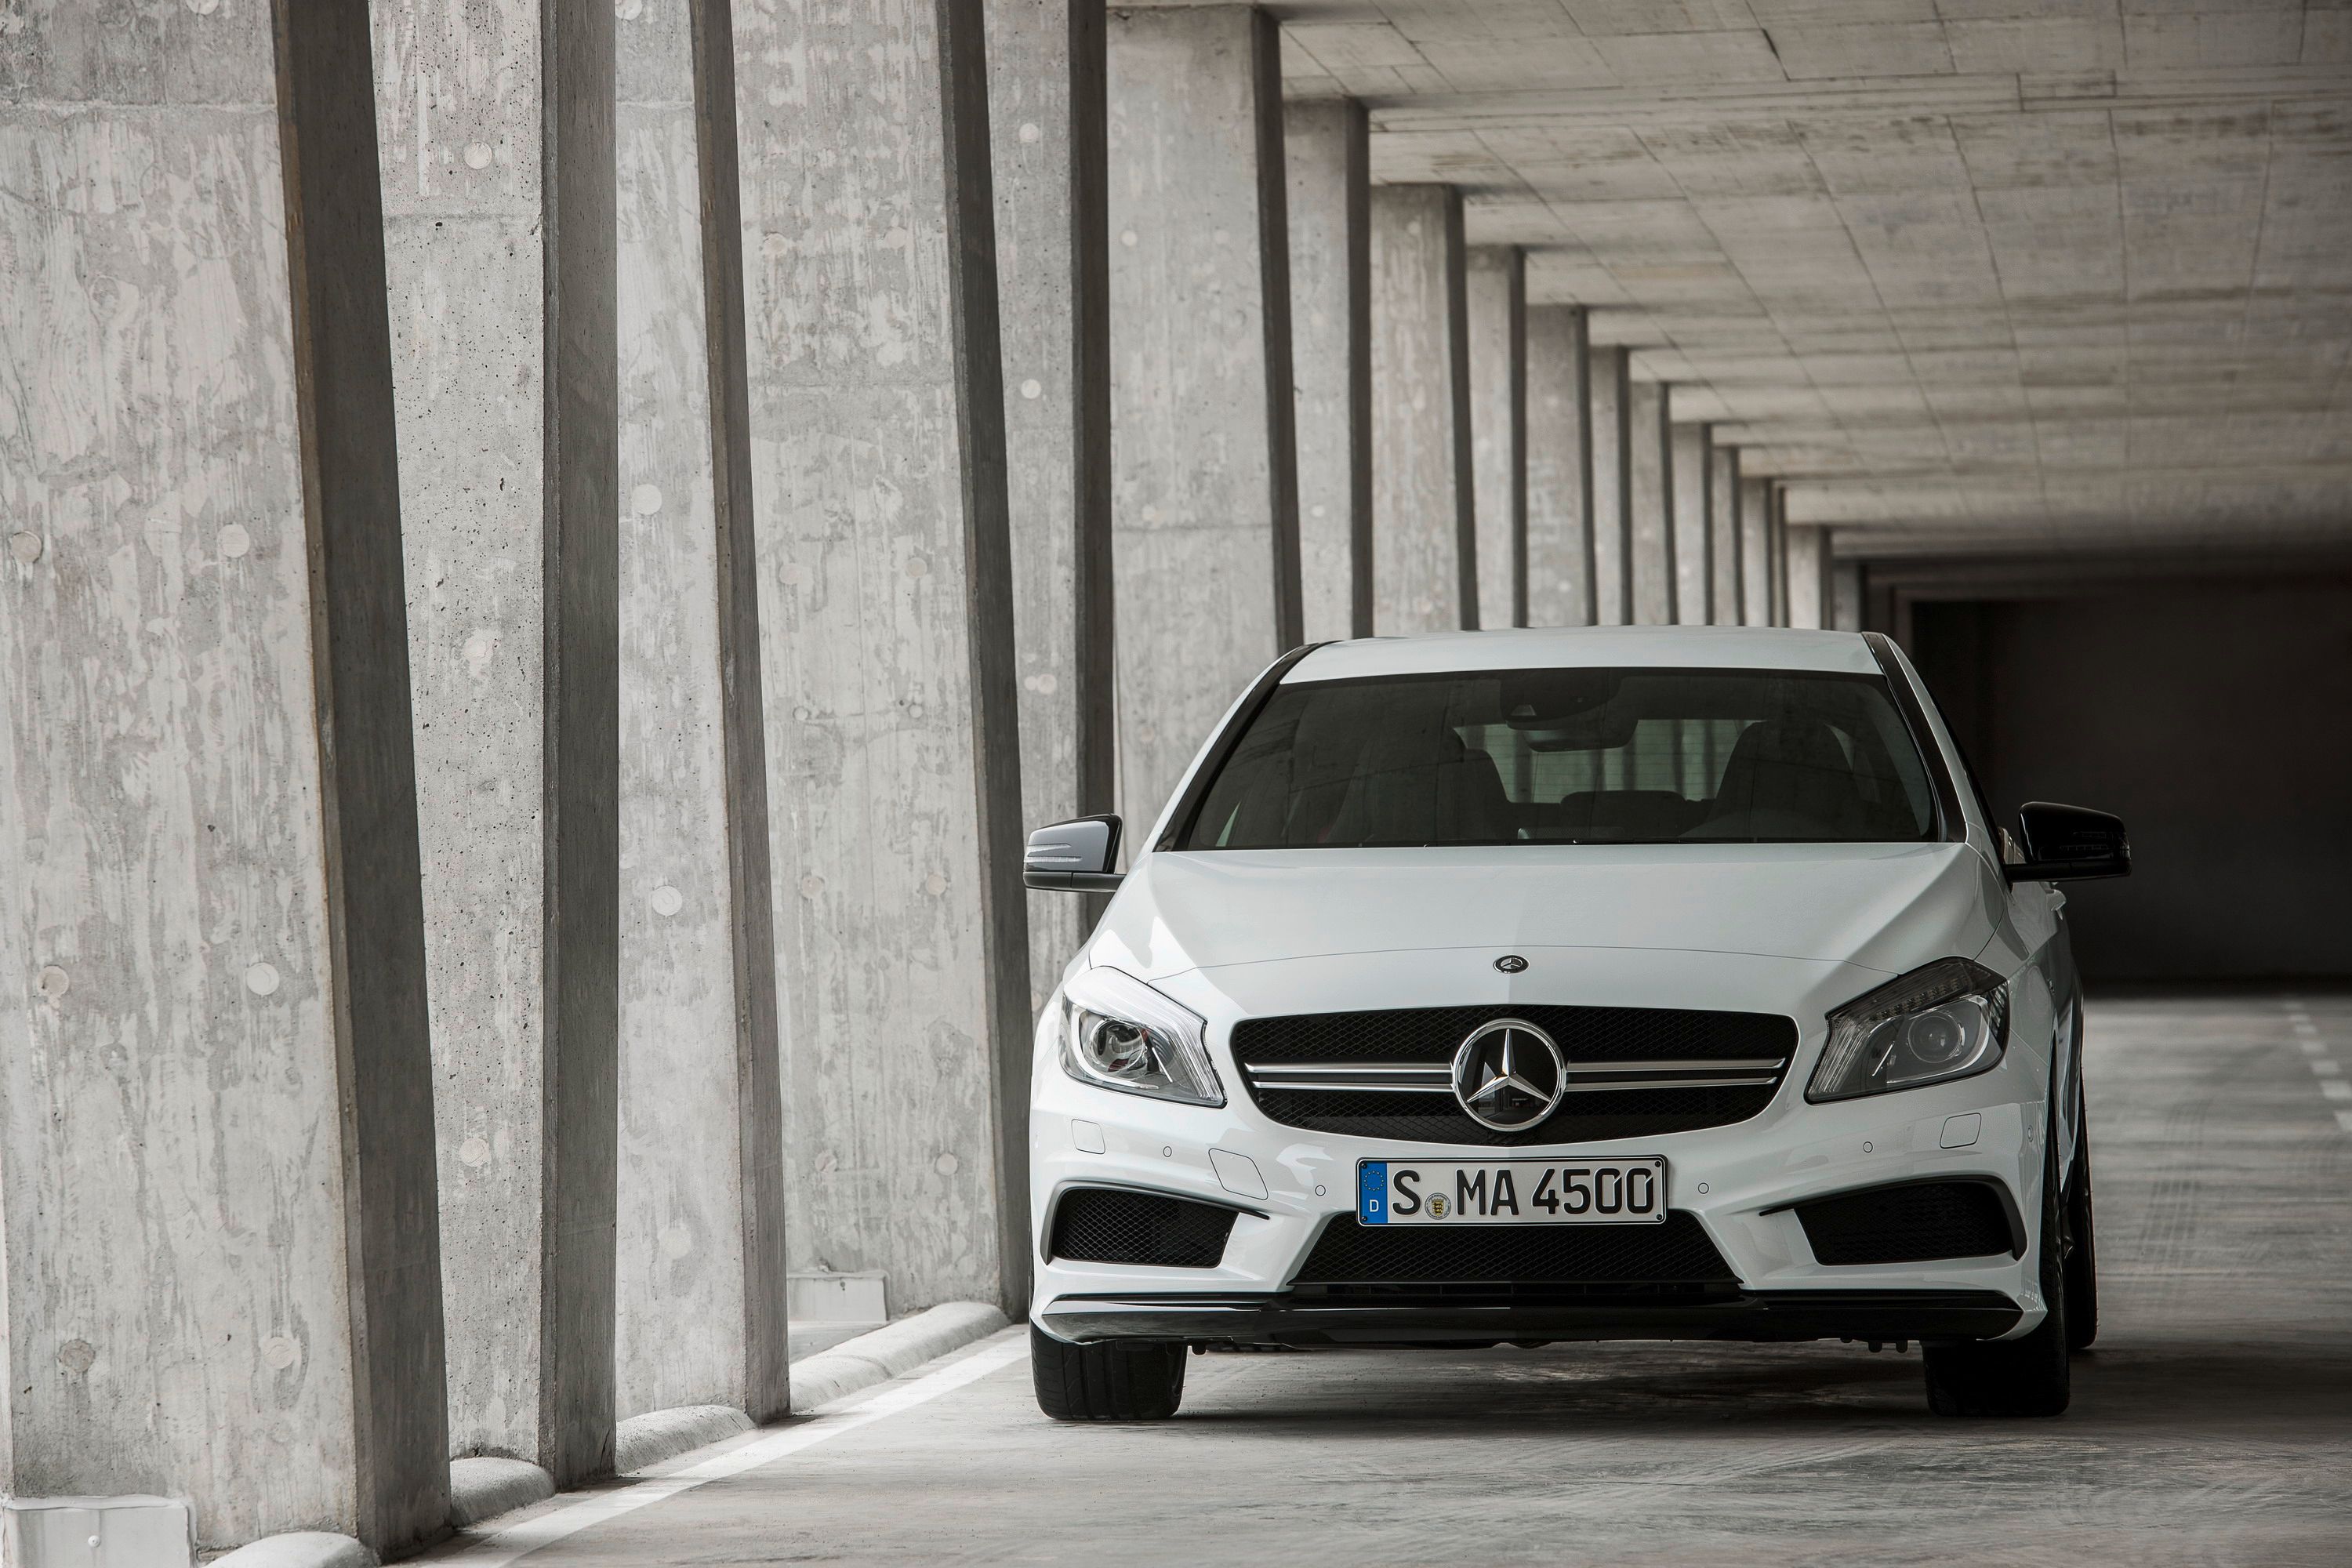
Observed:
{"x":1119,"y":1033}
{"x":1947,"y":1020}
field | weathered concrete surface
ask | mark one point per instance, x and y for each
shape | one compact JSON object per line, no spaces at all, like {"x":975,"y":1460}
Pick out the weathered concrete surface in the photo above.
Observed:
{"x":891,"y":1350}
{"x":698,"y":1284}
{"x":217,"y":1250}
{"x":876,"y":425}
{"x":1424,"y":530}
{"x":1495,"y":290}
{"x":1561,"y":579}
{"x":1723,"y":529}
{"x":1755,"y":550}
{"x":2212,"y":1422}
{"x":1045,"y":128}
{"x":1326,"y":147}
{"x":1612,"y":499}
{"x":502,"y":278}
{"x":1650,"y":489}
{"x":1844,"y":612}
{"x":484,"y":1487}
{"x":1807,"y":553}
{"x":1689,"y":450}
{"x":1206,"y":506}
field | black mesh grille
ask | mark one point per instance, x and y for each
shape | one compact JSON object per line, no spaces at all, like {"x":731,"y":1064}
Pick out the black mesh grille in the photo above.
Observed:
{"x":1487,"y":1256}
{"x":1432,"y":1035}
{"x":1909,"y":1224}
{"x":1109,"y":1225}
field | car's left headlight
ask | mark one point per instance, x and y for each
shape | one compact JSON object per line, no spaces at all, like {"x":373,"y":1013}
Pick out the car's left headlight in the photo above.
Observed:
{"x":1119,"y":1033}
{"x":1947,"y":1020}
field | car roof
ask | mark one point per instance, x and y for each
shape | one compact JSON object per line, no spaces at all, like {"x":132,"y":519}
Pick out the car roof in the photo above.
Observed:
{"x":1625,"y":647}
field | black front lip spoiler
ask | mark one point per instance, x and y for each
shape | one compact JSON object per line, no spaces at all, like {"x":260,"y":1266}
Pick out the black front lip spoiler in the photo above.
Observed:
{"x":1751,"y":1315}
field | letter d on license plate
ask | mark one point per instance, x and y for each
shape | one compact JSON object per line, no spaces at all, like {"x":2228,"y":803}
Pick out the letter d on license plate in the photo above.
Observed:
{"x":1570,"y":1190}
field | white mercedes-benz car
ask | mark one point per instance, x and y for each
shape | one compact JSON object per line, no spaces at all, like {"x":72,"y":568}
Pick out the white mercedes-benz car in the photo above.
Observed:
{"x":1623,"y":982}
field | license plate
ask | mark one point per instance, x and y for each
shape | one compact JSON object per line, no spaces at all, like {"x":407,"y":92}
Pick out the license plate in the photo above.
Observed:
{"x":1511,"y":1192}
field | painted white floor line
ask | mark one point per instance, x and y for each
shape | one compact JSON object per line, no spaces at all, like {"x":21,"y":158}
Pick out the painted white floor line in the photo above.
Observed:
{"x":520,"y":1541}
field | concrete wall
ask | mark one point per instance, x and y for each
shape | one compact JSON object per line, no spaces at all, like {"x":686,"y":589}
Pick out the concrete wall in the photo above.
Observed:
{"x":1326,"y":147}
{"x":1755,"y":550}
{"x":2207,"y":714}
{"x":1806,"y":551}
{"x":1612,"y":500}
{"x":502,"y":297}
{"x":876,"y":442}
{"x":1723,"y":524}
{"x":218,"y":1264}
{"x":1561,"y":582}
{"x":1045,"y":130}
{"x":1688,"y":450}
{"x":1206,"y":491}
{"x":1651,"y":486}
{"x":1424,"y":532}
{"x":1497,"y":294}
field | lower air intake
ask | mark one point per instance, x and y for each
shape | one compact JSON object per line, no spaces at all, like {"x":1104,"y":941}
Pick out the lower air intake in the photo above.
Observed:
{"x":1642,"y":1257}
{"x":1112,"y":1224}
{"x":1914,"y":1223}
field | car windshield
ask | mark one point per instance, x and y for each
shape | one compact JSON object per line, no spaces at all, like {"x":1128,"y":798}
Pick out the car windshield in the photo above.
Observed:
{"x":1570,"y":756}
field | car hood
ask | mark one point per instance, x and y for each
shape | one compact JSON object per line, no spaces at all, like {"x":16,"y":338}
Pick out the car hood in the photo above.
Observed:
{"x":1881,"y":906}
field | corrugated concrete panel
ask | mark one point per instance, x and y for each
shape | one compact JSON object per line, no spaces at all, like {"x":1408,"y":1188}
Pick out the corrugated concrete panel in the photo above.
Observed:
{"x":886,"y":598}
{"x":1561,"y":579}
{"x":1205,"y":465}
{"x":1425,"y":528}
{"x":218,"y":1249}
{"x":1650,"y":491}
{"x":1693,"y":556}
{"x":1495,"y":288}
{"x":507,"y":484}
{"x":1046,"y":120}
{"x":1325,"y":146}
{"x":1613,"y":497}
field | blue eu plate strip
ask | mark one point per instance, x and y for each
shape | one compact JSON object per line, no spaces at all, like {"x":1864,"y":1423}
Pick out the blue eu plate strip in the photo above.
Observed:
{"x":1373,"y":1192}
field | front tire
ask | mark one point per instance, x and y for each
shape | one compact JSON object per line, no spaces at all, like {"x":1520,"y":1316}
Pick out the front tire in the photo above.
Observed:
{"x":1116,"y":1381}
{"x":2081,"y":1251}
{"x":2014,"y":1377}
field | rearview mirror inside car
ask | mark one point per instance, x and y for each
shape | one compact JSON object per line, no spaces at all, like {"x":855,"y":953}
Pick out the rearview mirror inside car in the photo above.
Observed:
{"x":2069,"y":843}
{"x":1074,"y":856}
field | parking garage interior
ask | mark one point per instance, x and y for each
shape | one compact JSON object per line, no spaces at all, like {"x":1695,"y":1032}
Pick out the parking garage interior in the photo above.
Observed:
{"x":556,"y":550}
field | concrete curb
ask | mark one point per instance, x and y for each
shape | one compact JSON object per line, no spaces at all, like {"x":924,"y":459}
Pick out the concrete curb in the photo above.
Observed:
{"x":659,"y":1435}
{"x":891,"y":1351}
{"x":299,"y":1548}
{"x":484,"y":1487}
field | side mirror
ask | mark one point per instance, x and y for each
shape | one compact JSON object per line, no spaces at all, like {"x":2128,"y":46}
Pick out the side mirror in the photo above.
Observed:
{"x":2069,"y":843}
{"x":1074,"y":856}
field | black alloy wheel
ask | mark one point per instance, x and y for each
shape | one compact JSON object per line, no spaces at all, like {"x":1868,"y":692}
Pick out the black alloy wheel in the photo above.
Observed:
{"x":2030,"y":1376}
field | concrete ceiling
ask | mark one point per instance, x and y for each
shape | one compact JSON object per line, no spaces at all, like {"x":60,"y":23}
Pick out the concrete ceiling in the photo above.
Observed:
{"x":2013,"y":271}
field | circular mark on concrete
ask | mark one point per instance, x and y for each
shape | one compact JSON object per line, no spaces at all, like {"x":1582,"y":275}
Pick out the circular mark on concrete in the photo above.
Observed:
{"x":646,"y":500}
{"x":478,"y":154}
{"x":1032,"y":389}
{"x":1413,"y":227}
{"x":935,"y":884}
{"x":628,"y":10}
{"x":262,"y":979}
{"x":677,"y":1241}
{"x":794,"y":573}
{"x":667,"y":900}
{"x":1032,"y":133}
{"x":1127,"y":237}
{"x":812,"y":885}
{"x":947,"y":1165}
{"x":235,"y":540}
{"x":55,"y":982}
{"x":25,"y":546}
{"x":280,"y":1351}
{"x":1324,"y":510}
{"x":1043,"y":683}
{"x":77,"y":1355}
{"x":474,"y":1152}
{"x":918,"y":567}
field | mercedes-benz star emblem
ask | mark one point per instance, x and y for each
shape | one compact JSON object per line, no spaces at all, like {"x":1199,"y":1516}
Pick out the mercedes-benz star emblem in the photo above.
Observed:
{"x":1510,"y":963}
{"x":1508,"y":1075}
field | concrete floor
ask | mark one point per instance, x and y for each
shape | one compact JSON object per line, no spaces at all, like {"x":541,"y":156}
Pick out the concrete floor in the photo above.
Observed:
{"x":2213,"y":1422}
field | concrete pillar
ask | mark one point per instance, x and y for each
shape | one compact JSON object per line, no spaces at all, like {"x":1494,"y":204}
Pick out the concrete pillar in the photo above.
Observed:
{"x":877,"y":465}
{"x":1651,"y":492}
{"x":1612,"y":496}
{"x":1424,"y":521}
{"x":1776,"y":552}
{"x":1755,"y":550}
{"x":700,"y":1251}
{"x":1689,"y":450}
{"x":498,"y":159}
{"x":1205,"y":508}
{"x":219,"y":1268}
{"x":1846,"y":595}
{"x":1045,"y":131}
{"x":1807,"y":555}
{"x":1726,"y":587}
{"x":1561,"y":579}
{"x":1495,"y":288}
{"x":1325,"y":144}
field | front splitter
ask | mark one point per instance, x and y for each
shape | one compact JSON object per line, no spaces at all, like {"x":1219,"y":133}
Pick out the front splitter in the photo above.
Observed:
{"x":1750,"y":1315}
